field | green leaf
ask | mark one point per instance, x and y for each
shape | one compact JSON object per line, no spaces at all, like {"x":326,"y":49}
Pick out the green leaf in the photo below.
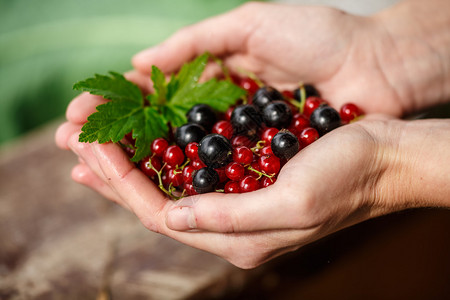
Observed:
{"x":176,"y":114}
{"x":114,"y":87}
{"x":149,"y":126}
{"x":188,"y":77}
{"x":218,"y":94}
{"x":172,"y":86}
{"x":111,"y":122}
{"x":159,"y":84}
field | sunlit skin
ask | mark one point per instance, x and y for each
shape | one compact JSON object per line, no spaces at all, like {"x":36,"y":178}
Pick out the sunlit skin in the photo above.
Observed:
{"x":371,"y":167}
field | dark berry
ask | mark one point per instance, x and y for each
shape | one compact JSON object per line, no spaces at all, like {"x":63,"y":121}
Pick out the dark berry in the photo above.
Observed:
{"x":202,"y":115}
{"x":173,"y":156}
{"x":215,"y":150}
{"x":324,"y":119}
{"x":159,"y":145}
{"x":309,"y":89}
{"x":246,"y":120}
{"x":205,"y":180}
{"x":189,"y":133}
{"x":264,"y":96}
{"x":285,"y":145}
{"x":277,"y":114}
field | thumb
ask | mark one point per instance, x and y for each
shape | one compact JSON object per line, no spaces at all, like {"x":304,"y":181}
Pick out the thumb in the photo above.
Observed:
{"x":264,"y":209}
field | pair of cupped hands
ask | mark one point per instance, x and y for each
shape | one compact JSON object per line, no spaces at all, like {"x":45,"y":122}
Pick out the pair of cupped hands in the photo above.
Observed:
{"x":333,"y":183}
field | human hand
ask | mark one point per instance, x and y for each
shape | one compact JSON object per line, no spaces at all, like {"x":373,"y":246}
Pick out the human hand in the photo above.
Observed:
{"x":341,"y":54}
{"x":324,"y":188}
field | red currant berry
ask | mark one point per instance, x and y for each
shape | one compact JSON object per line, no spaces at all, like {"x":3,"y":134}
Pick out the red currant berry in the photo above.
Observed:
{"x":299,"y":122}
{"x":231,"y":187}
{"x":191,"y":151}
{"x":308,"y":136}
{"x":188,"y":171}
{"x":228,"y":113}
{"x":190,"y":189}
{"x":173,"y":156}
{"x":288,"y":94}
{"x":268,"y":134}
{"x":243,"y":155}
{"x":249,"y":85}
{"x":255,"y":166}
{"x":129,"y":151}
{"x":159,"y":145}
{"x":235,"y":171}
{"x":241,"y":140}
{"x":222,"y":174}
{"x":266,"y":181}
{"x":146,"y":165}
{"x":224,"y":128}
{"x":175,"y":177}
{"x":248,"y":184}
{"x":198,"y":164}
{"x":269,"y":164}
{"x":267,"y":150}
{"x":129,"y":138}
{"x":311,"y":103}
{"x":349,"y":112}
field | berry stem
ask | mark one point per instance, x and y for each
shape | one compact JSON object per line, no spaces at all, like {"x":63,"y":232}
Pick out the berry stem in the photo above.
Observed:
{"x":261,"y":174}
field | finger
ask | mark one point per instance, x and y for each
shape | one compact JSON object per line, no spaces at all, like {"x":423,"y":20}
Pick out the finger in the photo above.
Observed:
{"x":135,"y":189}
{"x":64,"y":132}
{"x":220,"y":35}
{"x":82,"y":106}
{"x":82,"y":174}
{"x":265,"y":209}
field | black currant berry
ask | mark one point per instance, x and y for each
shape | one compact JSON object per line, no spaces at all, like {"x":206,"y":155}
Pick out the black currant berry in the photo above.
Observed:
{"x":202,"y":115}
{"x":324,"y":119}
{"x":310,"y":90}
{"x":189,"y":133}
{"x":264,"y":96}
{"x":205,"y":180}
{"x":277,"y":114}
{"x":215,"y":150}
{"x":285,"y":145}
{"x":246,"y":120}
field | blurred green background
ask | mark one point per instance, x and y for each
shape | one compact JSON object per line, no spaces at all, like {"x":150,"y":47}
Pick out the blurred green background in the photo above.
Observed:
{"x":48,"y":45}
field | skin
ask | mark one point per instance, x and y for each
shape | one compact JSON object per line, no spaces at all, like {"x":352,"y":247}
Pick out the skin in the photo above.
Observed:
{"x":359,"y":171}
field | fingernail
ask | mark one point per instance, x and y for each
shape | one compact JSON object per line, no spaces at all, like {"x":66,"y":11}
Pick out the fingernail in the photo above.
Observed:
{"x":181,"y":218}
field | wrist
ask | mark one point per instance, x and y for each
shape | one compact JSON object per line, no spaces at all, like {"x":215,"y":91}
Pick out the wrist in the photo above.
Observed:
{"x":413,"y":164}
{"x":415,"y":51}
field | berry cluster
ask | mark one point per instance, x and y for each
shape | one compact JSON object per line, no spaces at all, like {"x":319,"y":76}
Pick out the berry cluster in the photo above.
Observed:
{"x":243,"y":149}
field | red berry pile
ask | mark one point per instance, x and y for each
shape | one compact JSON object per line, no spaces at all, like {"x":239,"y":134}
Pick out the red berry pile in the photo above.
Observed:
{"x":243,"y":149}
